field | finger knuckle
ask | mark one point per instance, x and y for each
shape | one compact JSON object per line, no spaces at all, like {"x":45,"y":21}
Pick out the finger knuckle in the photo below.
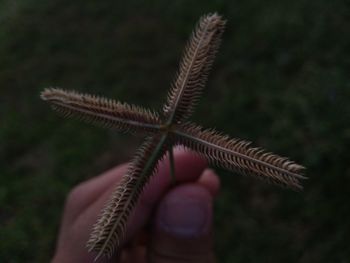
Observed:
{"x":74,"y":196}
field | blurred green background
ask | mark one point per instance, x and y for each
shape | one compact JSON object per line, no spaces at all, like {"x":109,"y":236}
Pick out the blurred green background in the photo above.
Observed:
{"x":281,"y":79}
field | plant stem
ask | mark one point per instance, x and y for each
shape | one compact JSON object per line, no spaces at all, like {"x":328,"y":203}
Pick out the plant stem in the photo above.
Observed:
{"x":172,"y":165}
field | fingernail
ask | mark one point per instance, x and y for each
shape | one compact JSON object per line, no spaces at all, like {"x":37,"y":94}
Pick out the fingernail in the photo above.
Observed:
{"x":185,"y":216}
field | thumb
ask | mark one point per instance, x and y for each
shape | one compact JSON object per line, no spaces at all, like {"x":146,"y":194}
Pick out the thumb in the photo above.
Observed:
{"x":183,"y":226}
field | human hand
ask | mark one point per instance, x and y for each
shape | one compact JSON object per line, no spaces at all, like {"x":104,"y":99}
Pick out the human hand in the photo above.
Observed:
{"x":168,"y":224}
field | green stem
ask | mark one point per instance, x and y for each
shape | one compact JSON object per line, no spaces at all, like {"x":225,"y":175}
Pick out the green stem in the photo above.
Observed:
{"x":172,"y":165}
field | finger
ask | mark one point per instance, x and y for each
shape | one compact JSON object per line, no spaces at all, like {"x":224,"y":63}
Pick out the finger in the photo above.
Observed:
{"x":183,"y":226}
{"x":210,"y":180}
{"x":89,"y":191}
{"x":188,"y":167}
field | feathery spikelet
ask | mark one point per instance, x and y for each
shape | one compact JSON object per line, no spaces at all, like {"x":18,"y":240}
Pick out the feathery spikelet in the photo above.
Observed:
{"x":101,"y":111}
{"x":194,"y":68}
{"x":237,"y":155}
{"x":109,"y":230}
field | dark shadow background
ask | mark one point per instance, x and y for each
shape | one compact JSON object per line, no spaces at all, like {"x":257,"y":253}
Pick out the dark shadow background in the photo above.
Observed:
{"x":281,"y":79}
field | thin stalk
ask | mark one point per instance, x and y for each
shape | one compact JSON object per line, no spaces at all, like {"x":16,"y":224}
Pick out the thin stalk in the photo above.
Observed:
{"x":172,"y":165}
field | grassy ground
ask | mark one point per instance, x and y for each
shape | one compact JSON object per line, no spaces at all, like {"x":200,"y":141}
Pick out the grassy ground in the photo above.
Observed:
{"x":281,"y":80}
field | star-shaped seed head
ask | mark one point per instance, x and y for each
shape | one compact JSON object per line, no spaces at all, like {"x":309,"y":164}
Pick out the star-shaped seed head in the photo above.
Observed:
{"x":166,"y":129}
